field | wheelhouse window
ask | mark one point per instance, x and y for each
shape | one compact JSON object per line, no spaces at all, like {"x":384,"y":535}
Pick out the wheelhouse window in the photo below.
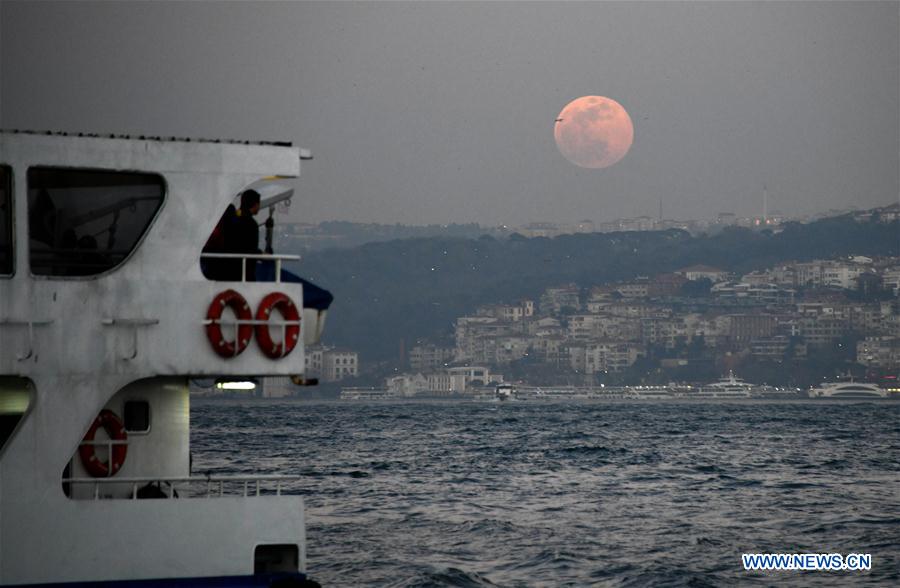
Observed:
{"x":85,"y":222}
{"x":6,"y":221}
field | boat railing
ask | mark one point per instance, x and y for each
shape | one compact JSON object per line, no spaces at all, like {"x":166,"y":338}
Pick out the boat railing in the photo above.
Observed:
{"x":188,"y":486}
{"x":277,"y":258}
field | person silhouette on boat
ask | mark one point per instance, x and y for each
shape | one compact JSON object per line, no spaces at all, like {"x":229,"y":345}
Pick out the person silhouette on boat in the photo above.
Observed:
{"x":242,"y":236}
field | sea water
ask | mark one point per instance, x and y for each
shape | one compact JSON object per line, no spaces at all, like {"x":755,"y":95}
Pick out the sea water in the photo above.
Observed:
{"x":572,"y":493}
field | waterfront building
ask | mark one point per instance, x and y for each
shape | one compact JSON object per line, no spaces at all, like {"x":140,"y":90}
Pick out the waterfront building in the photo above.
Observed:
{"x":427,"y":357}
{"x":879,"y":352}
{"x":331,"y":364}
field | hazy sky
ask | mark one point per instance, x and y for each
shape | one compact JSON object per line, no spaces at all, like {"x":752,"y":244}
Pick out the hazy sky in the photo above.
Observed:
{"x":444,"y":112}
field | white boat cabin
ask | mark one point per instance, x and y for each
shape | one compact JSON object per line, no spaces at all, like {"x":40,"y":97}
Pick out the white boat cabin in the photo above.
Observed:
{"x":105,"y":315}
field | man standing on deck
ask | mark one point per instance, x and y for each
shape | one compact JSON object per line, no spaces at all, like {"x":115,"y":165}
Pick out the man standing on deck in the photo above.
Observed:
{"x":242,"y":236}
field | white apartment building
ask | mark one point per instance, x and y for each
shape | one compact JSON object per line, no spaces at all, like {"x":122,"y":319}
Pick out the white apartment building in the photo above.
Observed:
{"x":634,"y":289}
{"x":665,"y":331}
{"x":427,"y":357}
{"x":697,"y":272}
{"x":754,"y":293}
{"x":338,"y":364}
{"x":547,"y":348}
{"x":584,"y":326}
{"x":331,"y":364}
{"x":829,"y":273}
{"x":842,"y":275}
{"x":508,"y":312}
{"x":544,"y":327}
{"x":313,"y":361}
{"x":891,"y":277}
{"x":610,"y":356}
{"x":457,"y":380}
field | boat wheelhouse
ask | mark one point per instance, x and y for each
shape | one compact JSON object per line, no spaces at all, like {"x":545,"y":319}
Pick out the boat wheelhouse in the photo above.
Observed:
{"x":105,"y":315}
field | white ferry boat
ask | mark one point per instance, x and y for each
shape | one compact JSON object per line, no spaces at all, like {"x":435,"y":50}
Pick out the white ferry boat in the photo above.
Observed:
{"x":848,"y":389}
{"x":728,"y":387}
{"x":105,"y":314}
{"x":649,"y":393}
{"x":505,"y":392}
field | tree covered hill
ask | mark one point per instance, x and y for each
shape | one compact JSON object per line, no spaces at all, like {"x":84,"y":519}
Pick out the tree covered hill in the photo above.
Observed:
{"x":409,"y":289}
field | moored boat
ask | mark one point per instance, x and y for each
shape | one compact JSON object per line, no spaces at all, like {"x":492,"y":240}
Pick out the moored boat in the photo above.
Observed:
{"x":106,"y":311}
{"x":848,"y":389}
{"x":728,"y":387}
{"x":649,"y":392}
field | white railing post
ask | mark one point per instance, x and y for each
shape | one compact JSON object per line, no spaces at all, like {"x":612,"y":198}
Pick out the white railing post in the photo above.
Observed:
{"x":244,"y":257}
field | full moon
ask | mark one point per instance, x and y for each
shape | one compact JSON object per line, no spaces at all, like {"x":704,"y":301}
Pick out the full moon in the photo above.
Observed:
{"x":593,"y":131}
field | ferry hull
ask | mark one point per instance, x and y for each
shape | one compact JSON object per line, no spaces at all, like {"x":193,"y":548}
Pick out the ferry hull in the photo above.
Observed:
{"x":275,"y":580}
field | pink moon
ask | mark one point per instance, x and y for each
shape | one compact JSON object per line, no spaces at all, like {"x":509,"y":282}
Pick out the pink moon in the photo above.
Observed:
{"x":593,"y":132}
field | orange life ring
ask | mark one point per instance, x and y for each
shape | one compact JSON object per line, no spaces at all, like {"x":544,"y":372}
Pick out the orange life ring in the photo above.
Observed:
{"x":237,"y":303}
{"x":113,"y":426}
{"x":287,"y":308}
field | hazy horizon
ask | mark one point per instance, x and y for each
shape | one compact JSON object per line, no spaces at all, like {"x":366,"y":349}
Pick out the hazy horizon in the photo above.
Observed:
{"x":440,"y":113}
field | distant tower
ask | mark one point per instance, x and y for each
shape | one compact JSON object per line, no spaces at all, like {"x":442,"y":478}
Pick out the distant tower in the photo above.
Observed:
{"x":660,"y":208}
{"x":765,"y":205}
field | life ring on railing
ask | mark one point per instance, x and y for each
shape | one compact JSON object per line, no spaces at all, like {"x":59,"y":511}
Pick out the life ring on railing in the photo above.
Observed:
{"x":287,"y":308}
{"x":114,"y":427}
{"x":238,"y":304}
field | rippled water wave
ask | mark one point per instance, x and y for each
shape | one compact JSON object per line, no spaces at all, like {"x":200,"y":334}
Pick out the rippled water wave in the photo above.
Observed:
{"x":621,"y":494}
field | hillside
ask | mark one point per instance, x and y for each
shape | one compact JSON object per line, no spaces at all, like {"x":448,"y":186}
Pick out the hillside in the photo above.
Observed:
{"x":408,"y":289}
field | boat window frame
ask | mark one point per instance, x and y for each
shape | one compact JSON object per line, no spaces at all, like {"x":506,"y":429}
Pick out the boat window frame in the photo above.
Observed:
{"x":164,"y":198}
{"x":11,"y":221}
{"x":149,"y":428}
{"x":31,"y":390}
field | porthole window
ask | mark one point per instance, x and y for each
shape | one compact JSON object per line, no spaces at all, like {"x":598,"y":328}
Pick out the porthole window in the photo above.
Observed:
{"x":137,"y":416}
{"x":6,"y":221}
{"x":85,"y":222}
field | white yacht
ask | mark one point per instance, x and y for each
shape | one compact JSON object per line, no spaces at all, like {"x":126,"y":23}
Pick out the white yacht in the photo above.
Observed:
{"x":105,"y":314}
{"x":728,"y":387}
{"x":848,"y":389}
